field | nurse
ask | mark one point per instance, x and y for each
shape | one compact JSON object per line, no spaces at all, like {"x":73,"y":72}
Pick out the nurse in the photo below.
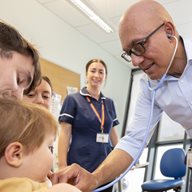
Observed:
{"x":88,"y":119}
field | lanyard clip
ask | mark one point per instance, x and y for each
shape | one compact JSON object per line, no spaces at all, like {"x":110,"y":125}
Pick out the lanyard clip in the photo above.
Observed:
{"x":102,"y":129}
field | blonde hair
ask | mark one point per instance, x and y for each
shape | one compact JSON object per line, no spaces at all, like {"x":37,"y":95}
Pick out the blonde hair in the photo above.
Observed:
{"x":24,"y":122}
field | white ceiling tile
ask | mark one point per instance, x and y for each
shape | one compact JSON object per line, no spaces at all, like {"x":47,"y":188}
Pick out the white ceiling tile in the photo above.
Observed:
{"x":111,"y":8}
{"x":96,"y":34}
{"x":45,"y":1}
{"x":67,"y":12}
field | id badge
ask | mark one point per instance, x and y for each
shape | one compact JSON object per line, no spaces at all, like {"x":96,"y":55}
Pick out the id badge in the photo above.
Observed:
{"x":189,"y":158}
{"x":102,"y":138}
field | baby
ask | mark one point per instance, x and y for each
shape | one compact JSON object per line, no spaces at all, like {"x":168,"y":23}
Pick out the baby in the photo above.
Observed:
{"x":27,"y":133}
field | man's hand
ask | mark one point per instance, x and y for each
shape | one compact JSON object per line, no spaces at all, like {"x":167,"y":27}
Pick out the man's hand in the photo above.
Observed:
{"x":76,"y":176}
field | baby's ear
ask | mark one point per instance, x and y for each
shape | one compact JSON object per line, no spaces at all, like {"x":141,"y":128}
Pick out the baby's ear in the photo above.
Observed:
{"x":14,"y":154}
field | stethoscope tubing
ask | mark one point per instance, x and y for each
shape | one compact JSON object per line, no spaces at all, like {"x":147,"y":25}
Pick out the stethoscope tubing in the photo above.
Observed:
{"x":153,"y":90}
{"x":139,"y":153}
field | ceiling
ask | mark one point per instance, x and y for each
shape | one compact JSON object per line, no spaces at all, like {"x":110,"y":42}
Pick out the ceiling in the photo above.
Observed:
{"x":111,"y":11}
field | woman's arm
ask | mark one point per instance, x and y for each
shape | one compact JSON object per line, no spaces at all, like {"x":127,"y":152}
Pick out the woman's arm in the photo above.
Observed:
{"x":114,"y":136}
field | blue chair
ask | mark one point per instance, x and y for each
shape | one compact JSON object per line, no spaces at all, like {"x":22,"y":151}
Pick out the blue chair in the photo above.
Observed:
{"x":172,"y":165}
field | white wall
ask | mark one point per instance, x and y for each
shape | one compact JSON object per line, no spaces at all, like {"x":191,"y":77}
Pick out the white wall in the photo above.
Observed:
{"x":61,"y":44}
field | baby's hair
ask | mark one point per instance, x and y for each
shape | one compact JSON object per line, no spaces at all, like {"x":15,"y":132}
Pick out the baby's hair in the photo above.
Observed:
{"x":26,"y":123}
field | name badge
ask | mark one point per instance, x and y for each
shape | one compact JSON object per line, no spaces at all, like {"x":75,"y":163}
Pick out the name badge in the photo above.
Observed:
{"x":102,"y":138}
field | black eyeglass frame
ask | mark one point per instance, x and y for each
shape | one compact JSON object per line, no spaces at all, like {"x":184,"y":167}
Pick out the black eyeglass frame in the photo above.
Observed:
{"x":138,"y":48}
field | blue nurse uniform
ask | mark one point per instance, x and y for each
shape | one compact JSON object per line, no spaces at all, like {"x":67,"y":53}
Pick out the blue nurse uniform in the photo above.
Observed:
{"x":76,"y":110}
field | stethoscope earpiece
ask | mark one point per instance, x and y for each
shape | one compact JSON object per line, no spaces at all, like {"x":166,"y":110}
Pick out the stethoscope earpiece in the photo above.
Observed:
{"x":169,"y":36}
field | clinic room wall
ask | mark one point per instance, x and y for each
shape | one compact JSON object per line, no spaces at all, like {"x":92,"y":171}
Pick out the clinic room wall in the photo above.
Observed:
{"x":61,"y":44}
{"x":67,"y":77}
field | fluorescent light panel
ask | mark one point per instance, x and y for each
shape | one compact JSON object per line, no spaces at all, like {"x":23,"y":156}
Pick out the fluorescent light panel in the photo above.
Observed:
{"x":87,"y":11}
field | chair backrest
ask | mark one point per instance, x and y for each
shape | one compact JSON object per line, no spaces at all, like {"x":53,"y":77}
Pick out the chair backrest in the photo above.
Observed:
{"x":173,"y":163}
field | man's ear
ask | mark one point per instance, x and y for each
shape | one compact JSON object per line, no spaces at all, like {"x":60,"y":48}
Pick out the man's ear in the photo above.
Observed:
{"x":14,"y":154}
{"x":169,"y":29}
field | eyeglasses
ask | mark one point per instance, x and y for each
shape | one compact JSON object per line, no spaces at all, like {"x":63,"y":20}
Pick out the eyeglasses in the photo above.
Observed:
{"x":138,"y":48}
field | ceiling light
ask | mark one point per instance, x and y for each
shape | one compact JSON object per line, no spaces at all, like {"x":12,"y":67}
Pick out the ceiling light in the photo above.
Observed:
{"x":87,"y":11}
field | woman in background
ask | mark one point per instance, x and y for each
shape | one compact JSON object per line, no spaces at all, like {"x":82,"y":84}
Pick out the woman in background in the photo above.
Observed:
{"x":41,"y":94}
{"x":88,"y":121}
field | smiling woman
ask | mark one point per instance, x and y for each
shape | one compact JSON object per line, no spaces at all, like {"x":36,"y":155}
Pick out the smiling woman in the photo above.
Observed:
{"x":89,"y":118}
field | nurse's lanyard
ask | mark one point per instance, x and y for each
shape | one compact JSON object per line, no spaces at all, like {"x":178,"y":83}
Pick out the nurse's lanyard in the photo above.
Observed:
{"x":100,"y":118}
{"x":153,"y":90}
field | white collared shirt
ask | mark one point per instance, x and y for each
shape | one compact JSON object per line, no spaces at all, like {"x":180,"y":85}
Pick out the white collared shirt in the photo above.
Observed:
{"x":174,"y":97}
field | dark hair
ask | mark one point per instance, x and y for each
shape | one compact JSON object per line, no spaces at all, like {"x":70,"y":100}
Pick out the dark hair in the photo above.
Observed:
{"x":45,"y":78}
{"x":96,"y":60}
{"x":11,"y":40}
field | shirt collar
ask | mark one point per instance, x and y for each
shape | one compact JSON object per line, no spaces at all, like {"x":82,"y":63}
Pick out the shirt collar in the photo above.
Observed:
{"x":85,"y":93}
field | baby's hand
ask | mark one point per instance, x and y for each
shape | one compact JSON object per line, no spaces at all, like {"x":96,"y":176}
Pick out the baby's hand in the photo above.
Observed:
{"x":52,"y":178}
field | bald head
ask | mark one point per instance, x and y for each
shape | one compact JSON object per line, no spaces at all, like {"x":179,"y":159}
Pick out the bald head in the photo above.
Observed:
{"x":145,"y":11}
{"x":142,"y":16}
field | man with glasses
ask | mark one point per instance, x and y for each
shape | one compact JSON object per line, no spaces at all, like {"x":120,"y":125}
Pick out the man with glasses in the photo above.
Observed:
{"x":151,"y":42}
{"x":138,"y":47}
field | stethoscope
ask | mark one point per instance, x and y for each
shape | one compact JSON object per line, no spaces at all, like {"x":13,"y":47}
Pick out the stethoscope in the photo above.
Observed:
{"x":153,"y":90}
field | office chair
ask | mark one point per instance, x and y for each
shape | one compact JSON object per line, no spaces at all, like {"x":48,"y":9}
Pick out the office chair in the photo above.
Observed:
{"x":172,"y":164}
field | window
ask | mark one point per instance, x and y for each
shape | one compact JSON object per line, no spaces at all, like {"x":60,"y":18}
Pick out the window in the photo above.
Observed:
{"x":134,"y":178}
{"x":168,"y":134}
{"x":169,"y":130}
